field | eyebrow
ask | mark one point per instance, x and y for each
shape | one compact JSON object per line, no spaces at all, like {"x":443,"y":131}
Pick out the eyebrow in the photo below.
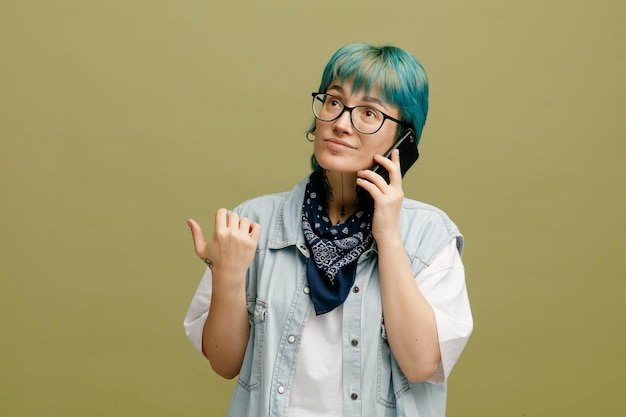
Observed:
{"x":364,"y":98}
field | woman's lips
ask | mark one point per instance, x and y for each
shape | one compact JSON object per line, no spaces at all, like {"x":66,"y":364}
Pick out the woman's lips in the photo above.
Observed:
{"x":337,"y":145}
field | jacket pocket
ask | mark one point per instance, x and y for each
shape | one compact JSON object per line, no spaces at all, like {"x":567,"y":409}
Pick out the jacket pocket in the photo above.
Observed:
{"x":391,"y":382}
{"x":250,"y":374}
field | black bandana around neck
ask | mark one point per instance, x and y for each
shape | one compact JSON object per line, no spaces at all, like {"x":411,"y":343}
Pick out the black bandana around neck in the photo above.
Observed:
{"x":335,"y":249}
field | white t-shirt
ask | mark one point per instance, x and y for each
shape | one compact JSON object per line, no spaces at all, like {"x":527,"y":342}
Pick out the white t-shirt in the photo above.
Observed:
{"x":317,"y":384}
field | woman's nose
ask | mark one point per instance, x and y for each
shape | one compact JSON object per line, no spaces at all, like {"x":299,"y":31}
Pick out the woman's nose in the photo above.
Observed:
{"x":344,"y":122}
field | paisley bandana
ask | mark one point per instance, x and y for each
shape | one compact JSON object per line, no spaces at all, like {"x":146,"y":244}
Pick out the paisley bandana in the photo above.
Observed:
{"x":335,"y":249}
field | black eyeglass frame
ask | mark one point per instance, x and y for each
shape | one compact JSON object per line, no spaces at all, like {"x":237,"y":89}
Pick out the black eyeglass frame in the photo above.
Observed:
{"x":349,"y":109}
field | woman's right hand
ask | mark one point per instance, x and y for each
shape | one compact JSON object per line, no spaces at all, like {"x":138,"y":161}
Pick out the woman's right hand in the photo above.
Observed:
{"x":230,"y":250}
{"x":232,"y":245}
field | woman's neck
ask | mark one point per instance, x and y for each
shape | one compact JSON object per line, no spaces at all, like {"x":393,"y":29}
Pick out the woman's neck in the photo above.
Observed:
{"x":341,"y":198}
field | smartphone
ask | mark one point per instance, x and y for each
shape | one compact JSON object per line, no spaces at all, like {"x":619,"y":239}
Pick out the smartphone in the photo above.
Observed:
{"x":408,"y":155}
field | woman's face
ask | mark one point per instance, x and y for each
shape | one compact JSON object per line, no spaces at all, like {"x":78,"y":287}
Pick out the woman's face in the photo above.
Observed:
{"x":339,"y":146}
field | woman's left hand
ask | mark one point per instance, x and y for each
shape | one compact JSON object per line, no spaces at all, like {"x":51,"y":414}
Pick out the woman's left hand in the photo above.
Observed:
{"x":387,"y":197}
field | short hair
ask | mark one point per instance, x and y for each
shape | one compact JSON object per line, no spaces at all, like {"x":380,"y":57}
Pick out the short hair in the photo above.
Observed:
{"x":396,"y":75}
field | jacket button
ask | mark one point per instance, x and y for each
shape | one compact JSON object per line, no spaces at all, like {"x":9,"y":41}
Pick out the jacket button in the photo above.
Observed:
{"x":355,"y":342}
{"x":291,"y":339}
{"x":307,"y":290}
{"x":354,"y":397}
{"x":356,"y":289}
{"x":281,"y":390}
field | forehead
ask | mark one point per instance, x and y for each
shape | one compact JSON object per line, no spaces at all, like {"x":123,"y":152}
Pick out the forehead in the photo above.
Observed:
{"x":347,"y":87}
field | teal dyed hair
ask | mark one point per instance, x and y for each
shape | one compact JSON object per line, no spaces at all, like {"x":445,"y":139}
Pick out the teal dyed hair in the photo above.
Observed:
{"x":397,"y":77}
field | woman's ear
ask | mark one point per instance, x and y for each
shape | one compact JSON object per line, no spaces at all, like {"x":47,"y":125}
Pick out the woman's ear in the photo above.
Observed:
{"x":310,"y":135}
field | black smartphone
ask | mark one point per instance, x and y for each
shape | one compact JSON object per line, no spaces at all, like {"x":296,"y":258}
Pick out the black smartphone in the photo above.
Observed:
{"x":408,"y":155}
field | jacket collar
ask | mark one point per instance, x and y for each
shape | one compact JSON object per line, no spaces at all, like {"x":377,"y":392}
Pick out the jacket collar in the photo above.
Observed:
{"x":288,"y":227}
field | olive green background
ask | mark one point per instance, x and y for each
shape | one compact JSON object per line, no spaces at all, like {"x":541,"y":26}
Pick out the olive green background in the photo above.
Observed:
{"x":120,"y":119}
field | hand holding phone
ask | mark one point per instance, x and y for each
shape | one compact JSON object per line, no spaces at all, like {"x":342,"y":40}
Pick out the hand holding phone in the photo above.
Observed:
{"x":408,"y":155}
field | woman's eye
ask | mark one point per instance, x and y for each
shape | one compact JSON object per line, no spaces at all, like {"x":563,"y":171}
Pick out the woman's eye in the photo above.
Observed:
{"x":370,"y":113}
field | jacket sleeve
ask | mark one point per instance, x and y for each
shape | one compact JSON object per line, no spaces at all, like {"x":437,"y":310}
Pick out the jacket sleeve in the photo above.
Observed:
{"x":443,"y":284}
{"x":199,"y":310}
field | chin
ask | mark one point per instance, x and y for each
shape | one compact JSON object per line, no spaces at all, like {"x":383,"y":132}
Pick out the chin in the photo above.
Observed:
{"x":338,"y":165}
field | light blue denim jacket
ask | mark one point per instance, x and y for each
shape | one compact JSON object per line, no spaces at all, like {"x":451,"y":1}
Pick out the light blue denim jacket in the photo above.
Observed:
{"x":279,"y":306}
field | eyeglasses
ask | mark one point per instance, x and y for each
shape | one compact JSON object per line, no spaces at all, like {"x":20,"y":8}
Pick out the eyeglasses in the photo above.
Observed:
{"x":365,"y":119}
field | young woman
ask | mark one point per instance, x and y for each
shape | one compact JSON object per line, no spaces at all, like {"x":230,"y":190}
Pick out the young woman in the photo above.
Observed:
{"x":340,"y":297}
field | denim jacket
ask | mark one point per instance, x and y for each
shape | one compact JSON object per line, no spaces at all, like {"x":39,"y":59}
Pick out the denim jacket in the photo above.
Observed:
{"x":279,"y":306}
